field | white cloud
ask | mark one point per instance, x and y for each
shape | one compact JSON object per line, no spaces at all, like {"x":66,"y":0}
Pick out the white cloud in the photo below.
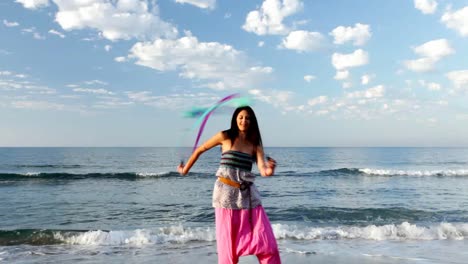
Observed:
{"x":344,"y":76}
{"x":457,"y":20}
{"x":219,"y":66}
{"x":426,"y":6}
{"x":436,"y":49}
{"x":25,"y":87}
{"x":90,"y":39}
{"x":299,"y":23}
{"x":317,"y":100}
{"x":33,"y":4}
{"x":430,"y":85}
{"x":374,"y":92}
{"x":94,"y":82}
{"x":268,"y":20}
{"x":359,"y":34}
{"x":261,"y":43}
{"x":143,"y":96}
{"x":54,"y":32}
{"x":9,"y":85}
{"x":341,"y":75}
{"x":459,"y":79}
{"x":67,"y":96}
{"x":433,"y":86}
{"x":303,"y":41}
{"x":431,"y":53}
{"x":38,"y":36}
{"x":309,"y":78}
{"x":347,"y":85}
{"x":322,"y":112}
{"x":172,"y":101}
{"x":125,"y":19}
{"x":93,"y":91}
{"x":37,"y":105}
{"x":18,"y":83}
{"x":343,"y":61}
{"x":365,"y":105}
{"x":111,"y":103}
{"x":10,"y":24}
{"x":107,"y":47}
{"x":33,"y":31}
{"x":120,"y":59}
{"x":366,"y":79}
{"x":277,"y":98}
{"x":420,"y":65}
{"x":205,"y":4}
{"x":29,"y":30}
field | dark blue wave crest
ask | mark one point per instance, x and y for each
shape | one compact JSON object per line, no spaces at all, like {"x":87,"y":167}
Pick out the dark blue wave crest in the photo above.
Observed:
{"x":78,"y":176}
{"x":364,"y":216}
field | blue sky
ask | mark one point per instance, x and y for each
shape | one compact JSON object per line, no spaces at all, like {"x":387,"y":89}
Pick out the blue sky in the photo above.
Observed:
{"x":318,"y":73}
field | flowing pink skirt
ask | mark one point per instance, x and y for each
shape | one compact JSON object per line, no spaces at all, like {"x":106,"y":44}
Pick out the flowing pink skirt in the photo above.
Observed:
{"x":237,"y":237}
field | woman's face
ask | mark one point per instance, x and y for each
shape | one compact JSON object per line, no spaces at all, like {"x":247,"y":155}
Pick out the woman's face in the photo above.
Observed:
{"x":243,"y":121}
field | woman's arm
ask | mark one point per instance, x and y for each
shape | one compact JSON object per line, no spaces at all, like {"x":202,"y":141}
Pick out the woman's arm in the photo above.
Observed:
{"x":265,"y":169}
{"x":213,"y":141}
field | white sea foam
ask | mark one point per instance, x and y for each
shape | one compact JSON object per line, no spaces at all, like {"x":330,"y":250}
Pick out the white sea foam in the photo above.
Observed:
{"x":153,"y":174}
{"x":180,"y":234}
{"x":31,"y":174}
{"x":173,"y":234}
{"x":393,"y":257}
{"x":404,"y":231}
{"x":36,"y":253}
{"x":300,"y":252}
{"x":386,"y":172}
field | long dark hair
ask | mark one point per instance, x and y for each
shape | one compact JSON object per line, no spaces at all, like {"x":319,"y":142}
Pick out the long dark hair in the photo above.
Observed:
{"x":253,"y":132}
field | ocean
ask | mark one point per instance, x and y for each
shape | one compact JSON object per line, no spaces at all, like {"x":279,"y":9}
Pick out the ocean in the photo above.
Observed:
{"x":326,"y":205}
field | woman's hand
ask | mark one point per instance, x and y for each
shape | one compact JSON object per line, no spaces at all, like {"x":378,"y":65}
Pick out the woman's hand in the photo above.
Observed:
{"x":180,"y":168}
{"x":270,"y":166}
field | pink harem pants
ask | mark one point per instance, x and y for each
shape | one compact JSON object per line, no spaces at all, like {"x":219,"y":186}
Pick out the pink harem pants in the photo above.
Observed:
{"x":235,"y":237}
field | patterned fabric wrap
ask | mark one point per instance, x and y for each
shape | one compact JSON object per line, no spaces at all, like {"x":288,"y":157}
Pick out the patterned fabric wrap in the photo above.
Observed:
{"x":235,"y":166}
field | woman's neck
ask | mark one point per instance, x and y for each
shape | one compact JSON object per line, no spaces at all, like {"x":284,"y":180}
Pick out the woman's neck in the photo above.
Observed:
{"x":242,"y":135}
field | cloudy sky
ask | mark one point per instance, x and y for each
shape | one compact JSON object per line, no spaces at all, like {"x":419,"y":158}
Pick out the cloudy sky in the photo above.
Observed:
{"x":318,"y":73}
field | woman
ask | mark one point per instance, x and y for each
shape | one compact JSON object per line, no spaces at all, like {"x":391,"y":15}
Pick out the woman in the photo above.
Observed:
{"x":242,"y":226}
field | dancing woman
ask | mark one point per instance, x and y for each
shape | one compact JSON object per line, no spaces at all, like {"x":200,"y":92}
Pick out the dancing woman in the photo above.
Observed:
{"x":242,"y":226}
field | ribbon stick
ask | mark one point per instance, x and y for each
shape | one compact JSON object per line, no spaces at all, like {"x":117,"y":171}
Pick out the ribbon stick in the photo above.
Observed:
{"x":203,"y":114}
{"x":207,"y":115}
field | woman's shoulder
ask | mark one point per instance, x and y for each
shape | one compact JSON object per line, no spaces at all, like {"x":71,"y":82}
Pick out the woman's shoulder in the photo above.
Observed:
{"x":217,"y":139}
{"x":224,"y":134}
{"x":221,"y":136}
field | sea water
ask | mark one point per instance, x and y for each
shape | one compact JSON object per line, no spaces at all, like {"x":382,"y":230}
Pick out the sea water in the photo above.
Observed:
{"x":326,"y":205}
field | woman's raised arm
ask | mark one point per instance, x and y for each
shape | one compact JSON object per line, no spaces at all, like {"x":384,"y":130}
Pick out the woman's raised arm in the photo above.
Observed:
{"x":210,"y":143}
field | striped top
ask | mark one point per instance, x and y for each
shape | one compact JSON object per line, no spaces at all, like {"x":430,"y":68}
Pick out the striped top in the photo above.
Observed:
{"x":236,"y":160}
{"x":236,"y":166}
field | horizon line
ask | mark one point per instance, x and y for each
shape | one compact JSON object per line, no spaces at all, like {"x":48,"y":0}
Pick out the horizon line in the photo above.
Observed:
{"x":71,"y":146}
